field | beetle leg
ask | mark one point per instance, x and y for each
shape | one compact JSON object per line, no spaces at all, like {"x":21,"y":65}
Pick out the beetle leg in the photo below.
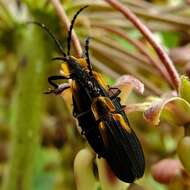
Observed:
{"x":57,"y":88}
{"x":55,"y":77}
{"x":114,"y":92}
{"x":123,"y":107}
{"x":82,"y":114}
{"x":82,"y":132}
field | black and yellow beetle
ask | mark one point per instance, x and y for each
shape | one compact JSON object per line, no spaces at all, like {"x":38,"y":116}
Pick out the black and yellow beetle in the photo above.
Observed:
{"x":99,"y":113}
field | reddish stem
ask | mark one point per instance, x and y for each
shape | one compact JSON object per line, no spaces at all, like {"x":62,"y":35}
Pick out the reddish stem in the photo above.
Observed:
{"x":150,"y":38}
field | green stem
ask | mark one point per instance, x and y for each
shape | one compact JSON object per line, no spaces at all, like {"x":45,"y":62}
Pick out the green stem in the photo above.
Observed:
{"x":26,"y":110}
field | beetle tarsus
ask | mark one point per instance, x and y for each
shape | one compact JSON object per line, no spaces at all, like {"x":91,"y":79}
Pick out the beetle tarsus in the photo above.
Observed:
{"x":114,"y":92}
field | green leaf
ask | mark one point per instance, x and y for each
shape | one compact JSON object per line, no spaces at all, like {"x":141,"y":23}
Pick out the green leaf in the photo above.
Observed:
{"x":124,"y":43}
{"x":170,"y":40}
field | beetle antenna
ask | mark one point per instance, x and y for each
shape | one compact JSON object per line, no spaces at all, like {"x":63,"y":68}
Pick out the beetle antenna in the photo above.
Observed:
{"x":71,"y":28}
{"x":87,"y":54}
{"x":44,"y":27}
{"x":59,"y":58}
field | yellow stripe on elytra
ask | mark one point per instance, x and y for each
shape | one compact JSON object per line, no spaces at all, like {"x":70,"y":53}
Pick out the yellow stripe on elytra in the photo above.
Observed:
{"x":122,"y":122}
{"x":108,"y":103}
{"x":100,"y":80}
{"x":102,"y":104}
{"x":102,"y":129}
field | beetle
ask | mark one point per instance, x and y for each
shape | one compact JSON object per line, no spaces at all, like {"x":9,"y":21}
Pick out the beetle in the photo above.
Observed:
{"x":99,"y":112}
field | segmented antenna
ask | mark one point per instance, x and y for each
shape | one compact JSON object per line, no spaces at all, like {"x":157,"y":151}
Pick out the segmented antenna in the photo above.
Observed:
{"x":71,"y":27}
{"x":87,"y":54}
{"x":44,"y":27}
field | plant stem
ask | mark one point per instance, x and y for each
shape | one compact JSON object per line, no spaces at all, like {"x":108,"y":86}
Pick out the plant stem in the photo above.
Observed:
{"x":122,"y":58}
{"x":138,"y":45}
{"x":106,"y":54}
{"x":65,"y":22}
{"x":104,"y":68}
{"x":149,"y":12}
{"x":167,"y":18}
{"x":26,"y":110}
{"x":111,"y":43}
{"x":149,"y":36}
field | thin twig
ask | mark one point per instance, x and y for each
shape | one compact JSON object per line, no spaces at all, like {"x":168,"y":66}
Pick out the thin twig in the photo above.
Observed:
{"x":137,"y":44}
{"x":154,"y":13}
{"x":65,"y":22}
{"x":115,"y":45}
{"x":149,"y":36}
{"x":124,"y":59}
{"x":110,"y":56}
{"x":104,"y":68}
{"x":163,"y":17}
{"x":139,"y":3}
{"x":125,"y":56}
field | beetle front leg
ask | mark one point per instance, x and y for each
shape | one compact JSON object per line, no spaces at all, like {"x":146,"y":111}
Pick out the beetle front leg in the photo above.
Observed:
{"x":57,"y":88}
{"x":55,"y":77}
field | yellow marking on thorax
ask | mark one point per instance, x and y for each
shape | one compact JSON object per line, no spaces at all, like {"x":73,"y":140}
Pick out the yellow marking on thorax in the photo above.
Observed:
{"x":65,"y":68}
{"x":83,"y":62}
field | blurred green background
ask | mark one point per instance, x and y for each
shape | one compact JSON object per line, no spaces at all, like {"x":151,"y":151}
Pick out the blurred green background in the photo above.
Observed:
{"x":38,"y":135}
